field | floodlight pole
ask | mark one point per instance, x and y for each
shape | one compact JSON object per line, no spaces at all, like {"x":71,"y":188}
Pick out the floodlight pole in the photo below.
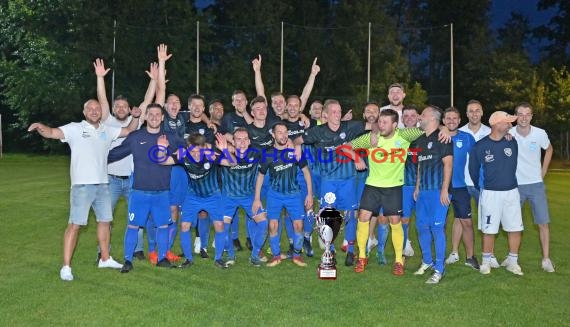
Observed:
{"x":281,"y":71}
{"x":368,"y":76}
{"x":451,"y":70}
{"x":197,"y":57}
{"x":113,"y":71}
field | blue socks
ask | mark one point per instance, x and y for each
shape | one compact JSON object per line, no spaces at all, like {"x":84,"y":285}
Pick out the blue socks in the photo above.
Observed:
{"x":131,"y":235}
{"x":350,"y":230}
{"x":151,"y":235}
{"x":229,"y":241}
{"x":439,"y":237}
{"x":219,"y":242}
{"x":382,"y":231}
{"x":424,"y":236}
{"x":162,"y":242}
{"x":204,"y":231}
{"x":172,"y":229}
{"x":274,"y":245}
{"x":186,"y":244}
{"x":258,"y":237}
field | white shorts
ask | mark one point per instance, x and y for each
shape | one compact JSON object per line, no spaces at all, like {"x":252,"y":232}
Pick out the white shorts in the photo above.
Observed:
{"x":500,"y":208}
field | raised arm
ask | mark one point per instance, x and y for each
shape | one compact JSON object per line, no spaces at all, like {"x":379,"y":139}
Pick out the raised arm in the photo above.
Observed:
{"x":150,"y":90}
{"x":315,"y":69}
{"x":46,"y":131}
{"x":163,"y":56}
{"x":100,"y":72}
{"x":259,"y":88}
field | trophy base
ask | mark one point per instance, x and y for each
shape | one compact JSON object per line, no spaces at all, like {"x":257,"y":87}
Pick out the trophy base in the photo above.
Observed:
{"x":326,"y":273}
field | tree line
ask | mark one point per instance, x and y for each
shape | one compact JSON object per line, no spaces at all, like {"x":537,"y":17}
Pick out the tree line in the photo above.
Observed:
{"x":47,"y":46}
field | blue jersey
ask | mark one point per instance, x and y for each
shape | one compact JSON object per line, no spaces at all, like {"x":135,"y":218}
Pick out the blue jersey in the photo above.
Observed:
{"x":202,"y":177}
{"x":295,"y":128}
{"x":411,"y":167}
{"x":260,"y":137}
{"x":200,"y":128}
{"x":332,"y":164}
{"x":282,"y":168}
{"x":232,"y":121}
{"x":149,"y":174}
{"x":499,"y":162}
{"x":462,"y":144}
{"x":430,"y":161}
{"x":239,"y":180}
{"x":176,"y":126}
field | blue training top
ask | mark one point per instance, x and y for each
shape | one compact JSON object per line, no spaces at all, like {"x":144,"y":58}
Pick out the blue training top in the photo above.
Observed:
{"x":499,"y":162}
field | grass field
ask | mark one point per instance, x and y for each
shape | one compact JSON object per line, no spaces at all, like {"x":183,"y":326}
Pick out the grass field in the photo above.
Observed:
{"x":34,"y":200}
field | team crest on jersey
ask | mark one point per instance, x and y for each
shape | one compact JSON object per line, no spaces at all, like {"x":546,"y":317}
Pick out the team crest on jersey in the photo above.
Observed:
{"x":207,"y":165}
{"x":430,"y":144}
{"x":342,"y":135}
{"x":290,"y":155}
{"x":398,"y":143}
{"x":488,"y":156}
{"x":201,"y":131}
{"x":508,"y":152}
{"x":459,"y":144}
{"x":301,"y":123}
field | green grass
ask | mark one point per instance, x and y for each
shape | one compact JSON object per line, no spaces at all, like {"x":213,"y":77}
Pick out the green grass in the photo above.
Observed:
{"x":34,"y":197}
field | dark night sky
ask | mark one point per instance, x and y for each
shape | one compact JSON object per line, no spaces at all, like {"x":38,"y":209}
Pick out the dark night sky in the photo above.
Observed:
{"x":501,"y":11}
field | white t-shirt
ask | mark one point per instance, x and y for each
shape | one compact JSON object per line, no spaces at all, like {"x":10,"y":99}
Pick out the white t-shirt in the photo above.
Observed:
{"x":483,"y":131}
{"x":125,"y":166}
{"x":89,"y":150}
{"x":529,"y":166}
{"x":400,"y":121}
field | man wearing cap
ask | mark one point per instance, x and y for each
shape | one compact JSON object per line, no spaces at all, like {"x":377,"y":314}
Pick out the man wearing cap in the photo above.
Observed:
{"x":499,"y":201}
{"x":530,"y":174}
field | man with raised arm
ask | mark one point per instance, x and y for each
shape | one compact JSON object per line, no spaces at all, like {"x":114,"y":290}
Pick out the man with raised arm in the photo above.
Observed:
{"x":120,"y":172}
{"x":278,"y":103}
{"x":89,"y":142}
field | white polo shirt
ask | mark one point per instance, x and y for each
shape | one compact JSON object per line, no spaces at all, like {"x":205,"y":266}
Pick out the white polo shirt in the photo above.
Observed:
{"x":400,"y":121}
{"x":89,"y":150}
{"x":483,"y":131}
{"x":125,"y":166}
{"x":529,"y":166}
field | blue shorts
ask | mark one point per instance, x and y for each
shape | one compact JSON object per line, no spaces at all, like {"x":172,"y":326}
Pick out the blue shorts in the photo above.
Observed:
{"x":231,"y":205}
{"x":145,"y":203}
{"x":194,"y":204}
{"x":536,"y":196}
{"x":178,"y":185}
{"x":344,"y":190}
{"x":293,"y":203}
{"x":461,"y":201}
{"x":408,"y":202}
{"x":429,"y":211}
{"x":85,"y":196}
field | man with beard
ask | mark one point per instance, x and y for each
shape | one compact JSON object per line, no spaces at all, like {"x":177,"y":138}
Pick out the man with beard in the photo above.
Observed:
{"x":396,"y":96}
{"x":460,"y":198}
{"x":432,"y":193}
{"x":120,"y":172}
{"x":238,"y":189}
{"x":151,"y":184}
{"x":383,"y":189}
{"x":284,"y":192}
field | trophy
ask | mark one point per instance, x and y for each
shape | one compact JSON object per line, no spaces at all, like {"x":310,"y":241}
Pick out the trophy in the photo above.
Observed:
{"x":328,"y":222}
